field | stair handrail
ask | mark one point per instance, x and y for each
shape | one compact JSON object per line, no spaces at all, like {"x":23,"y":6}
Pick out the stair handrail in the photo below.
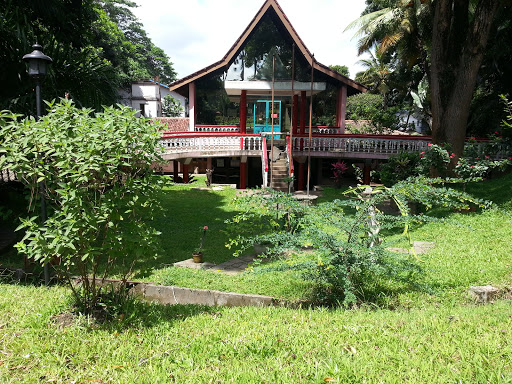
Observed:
{"x":289,"y":157}
{"x":264,"y":160}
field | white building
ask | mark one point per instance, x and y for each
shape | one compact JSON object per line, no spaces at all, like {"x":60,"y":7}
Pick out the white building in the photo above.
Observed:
{"x":147,"y":97}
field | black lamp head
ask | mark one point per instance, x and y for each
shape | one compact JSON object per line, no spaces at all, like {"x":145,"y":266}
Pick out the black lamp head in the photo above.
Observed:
{"x":37,"y":62}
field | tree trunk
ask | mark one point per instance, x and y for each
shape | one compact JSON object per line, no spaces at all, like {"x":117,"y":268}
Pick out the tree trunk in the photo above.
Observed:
{"x":457,"y":52}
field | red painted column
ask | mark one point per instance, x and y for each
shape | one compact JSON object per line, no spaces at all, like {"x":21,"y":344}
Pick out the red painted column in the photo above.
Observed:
{"x":303,"y":112}
{"x":295,"y":113}
{"x":243,"y":112}
{"x":175,"y":170}
{"x":185,"y":173}
{"x":341,"y":108}
{"x":243,"y":175}
{"x":301,"y":177}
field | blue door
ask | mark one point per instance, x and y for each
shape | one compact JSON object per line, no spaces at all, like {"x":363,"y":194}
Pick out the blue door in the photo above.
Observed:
{"x":263,"y":115}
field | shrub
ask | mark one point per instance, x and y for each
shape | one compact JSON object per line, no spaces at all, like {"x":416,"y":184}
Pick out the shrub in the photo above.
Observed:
{"x":338,"y":170}
{"x":507,"y":123}
{"x":399,"y":167}
{"x":96,"y":177}
{"x":436,"y":158}
{"x":474,"y":169}
{"x":262,"y":215}
{"x":347,"y":248}
{"x":171,"y":107}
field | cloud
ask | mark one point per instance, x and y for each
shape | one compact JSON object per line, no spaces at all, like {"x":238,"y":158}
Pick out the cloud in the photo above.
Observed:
{"x":197,"y":33}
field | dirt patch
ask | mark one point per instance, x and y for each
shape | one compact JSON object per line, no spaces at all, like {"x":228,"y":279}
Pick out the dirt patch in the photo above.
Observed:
{"x":64,"y":320}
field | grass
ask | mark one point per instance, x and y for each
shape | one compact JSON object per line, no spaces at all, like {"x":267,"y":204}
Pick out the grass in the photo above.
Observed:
{"x":471,"y":249}
{"x":400,"y":336}
{"x":190,"y":344}
{"x":185,"y":212}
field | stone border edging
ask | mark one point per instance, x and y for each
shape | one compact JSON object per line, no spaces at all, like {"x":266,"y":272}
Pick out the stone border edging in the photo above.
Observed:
{"x":171,"y":295}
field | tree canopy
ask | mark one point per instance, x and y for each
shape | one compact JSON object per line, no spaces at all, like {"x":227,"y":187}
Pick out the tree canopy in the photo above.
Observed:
{"x":342,"y":69}
{"x":450,"y":51}
{"x":97,"y":47}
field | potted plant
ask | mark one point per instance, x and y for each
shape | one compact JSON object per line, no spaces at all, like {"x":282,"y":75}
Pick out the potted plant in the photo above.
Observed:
{"x":197,"y":256}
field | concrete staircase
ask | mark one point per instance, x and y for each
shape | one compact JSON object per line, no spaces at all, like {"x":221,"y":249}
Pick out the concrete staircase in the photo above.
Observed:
{"x":279,"y":171}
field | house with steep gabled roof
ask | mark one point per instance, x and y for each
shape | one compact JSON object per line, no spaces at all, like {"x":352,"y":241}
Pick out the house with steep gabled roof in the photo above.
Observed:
{"x":245,"y":72}
{"x":256,"y":115}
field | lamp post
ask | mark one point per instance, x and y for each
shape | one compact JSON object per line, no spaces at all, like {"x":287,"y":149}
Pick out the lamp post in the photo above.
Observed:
{"x":37,"y":67}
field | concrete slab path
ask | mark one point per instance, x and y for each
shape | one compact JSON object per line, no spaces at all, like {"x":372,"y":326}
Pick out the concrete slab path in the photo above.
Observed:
{"x":230,"y":267}
{"x":236,"y":265}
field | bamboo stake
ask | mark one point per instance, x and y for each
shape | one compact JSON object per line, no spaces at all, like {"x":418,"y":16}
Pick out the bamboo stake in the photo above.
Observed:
{"x":272,"y":119}
{"x":293,"y":106}
{"x":310,"y":121}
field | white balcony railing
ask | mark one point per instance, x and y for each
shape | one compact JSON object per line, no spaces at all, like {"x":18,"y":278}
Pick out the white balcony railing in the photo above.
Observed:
{"x":238,"y":144}
{"x":324,"y":130}
{"x":360,"y":145}
{"x":205,"y":143}
{"x":216,"y":128}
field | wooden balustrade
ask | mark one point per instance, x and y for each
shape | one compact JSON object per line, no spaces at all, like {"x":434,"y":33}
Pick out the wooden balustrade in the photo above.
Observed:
{"x":217,"y":128}
{"x":182,"y":143}
{"x":361,"y":144}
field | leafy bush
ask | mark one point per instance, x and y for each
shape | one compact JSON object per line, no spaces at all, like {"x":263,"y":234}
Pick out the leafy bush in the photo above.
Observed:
{"x":338,"y":169}
{"x":225,"y":120}
{"x":399,"y":167}
{"x":506,"y":124}
{"x":436,"y":158}
{"x":95,"y":173}
{"x":367,"y":106}
{"x":262,"y":215}
{"x":328,"y":121}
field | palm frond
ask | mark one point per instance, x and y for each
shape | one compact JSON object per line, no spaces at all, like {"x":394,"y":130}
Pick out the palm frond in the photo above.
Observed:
{"x":389,"y":41}
{"x":365,"y":19}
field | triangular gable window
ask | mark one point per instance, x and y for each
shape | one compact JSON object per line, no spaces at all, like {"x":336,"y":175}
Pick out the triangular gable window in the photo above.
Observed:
{"x":254,"y":62}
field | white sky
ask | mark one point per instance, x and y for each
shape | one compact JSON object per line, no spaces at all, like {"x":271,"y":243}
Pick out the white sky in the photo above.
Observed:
{"x":197,"y":33}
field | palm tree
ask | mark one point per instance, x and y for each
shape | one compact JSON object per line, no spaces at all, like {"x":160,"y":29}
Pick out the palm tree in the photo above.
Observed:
{"x":403,"y":25}
{"x":376,"y":77}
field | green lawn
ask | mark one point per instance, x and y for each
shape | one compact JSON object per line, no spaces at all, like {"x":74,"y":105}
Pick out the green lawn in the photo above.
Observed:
{"x":185,"y":211}
{"x":401,"y":335}
{"x":452,"y":343}
{"x":470,"y":249}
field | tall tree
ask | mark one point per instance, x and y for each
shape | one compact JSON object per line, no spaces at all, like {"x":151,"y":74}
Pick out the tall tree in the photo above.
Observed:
{"x":459,"y":39}
{"x":92,"y":55}
{"x":377,"y":75}
{"x":494,"y":78}
{"x":146,"y":61}
{"x":447,"y":39}
{"x":397,"y":26}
